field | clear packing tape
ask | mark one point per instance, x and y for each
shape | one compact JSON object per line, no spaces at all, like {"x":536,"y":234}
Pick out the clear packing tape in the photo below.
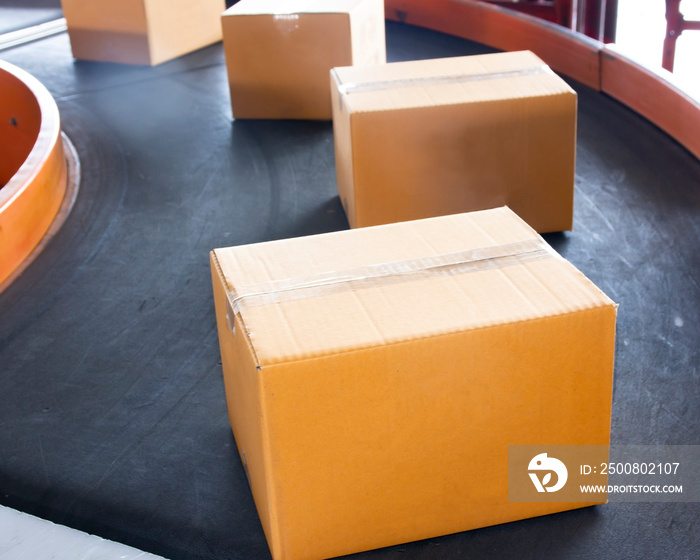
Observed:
{"x":382,"y":274}
{"x":380,"y":85}
{"x":352,"y":87}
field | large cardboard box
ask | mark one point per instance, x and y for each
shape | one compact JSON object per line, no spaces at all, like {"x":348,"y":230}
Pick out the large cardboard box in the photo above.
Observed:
{"x":433,"y":137}
{"x":376,"y":377}
{"x":279,"y":53}
{"x":141,"y":31}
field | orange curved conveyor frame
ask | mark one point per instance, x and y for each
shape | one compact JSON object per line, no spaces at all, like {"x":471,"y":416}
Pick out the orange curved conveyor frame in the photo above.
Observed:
{"x":601,"y":67}
{"x":33,"y":168}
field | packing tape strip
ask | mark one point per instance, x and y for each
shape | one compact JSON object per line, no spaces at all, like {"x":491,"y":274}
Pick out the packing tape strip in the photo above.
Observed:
{"x":462,"y":262}
{"x":352,"y":87}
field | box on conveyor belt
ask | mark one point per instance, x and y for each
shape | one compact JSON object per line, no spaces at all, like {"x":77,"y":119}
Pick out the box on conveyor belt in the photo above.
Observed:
{"x":145,"y":32}
{"x":279,"y":53}
{"x":433,"y":137}
{"x":376,"y":377}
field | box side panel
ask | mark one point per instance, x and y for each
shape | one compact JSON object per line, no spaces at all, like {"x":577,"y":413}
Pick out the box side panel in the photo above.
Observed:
{"x":108,"y":32}
{"x":342,"y":138}
{"x":243,"y":398}
{"x":410,"y":441}
{"x":278,"y":65}
{"x":445,"y":159}
{"x":368,"y":35}
{"x":109,"y":46}
{"x":126,"y":16}
{"x":177,"y":27}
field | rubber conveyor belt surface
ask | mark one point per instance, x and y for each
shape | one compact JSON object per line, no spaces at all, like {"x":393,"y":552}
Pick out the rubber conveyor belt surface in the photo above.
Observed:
{"x":112,"y":416}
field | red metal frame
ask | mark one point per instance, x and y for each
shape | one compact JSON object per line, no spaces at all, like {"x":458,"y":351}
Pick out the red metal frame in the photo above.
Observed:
{"x":675,"y":25}
{"x":594,"y":18}
{"x":556,"y":11}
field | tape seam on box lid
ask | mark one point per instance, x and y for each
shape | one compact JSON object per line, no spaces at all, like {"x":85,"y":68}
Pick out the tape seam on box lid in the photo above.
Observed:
{"x":354,"y":87}
{"x":445,"y":79}
{"x":461,"y":262}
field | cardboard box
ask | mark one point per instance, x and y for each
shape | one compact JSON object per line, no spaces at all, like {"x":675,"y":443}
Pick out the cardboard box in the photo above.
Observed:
{"x":279,"y":53}
{"x":434,"y":137}
{"x":376,"y":377}
{"x":141,"y":31}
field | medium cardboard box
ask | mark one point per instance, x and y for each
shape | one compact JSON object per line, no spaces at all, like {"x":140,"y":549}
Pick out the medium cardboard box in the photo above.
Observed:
{"x":434,"y":137}
{"x":141,"y":31}
{"x":279,"y":53}
{"x":376,"y":377}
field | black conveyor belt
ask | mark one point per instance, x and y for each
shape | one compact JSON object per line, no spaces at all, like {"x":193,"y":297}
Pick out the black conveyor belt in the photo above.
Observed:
{"x":112,"y":411}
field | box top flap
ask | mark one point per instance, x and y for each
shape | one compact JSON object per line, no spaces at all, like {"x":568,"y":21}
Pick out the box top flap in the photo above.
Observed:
{"x":324,"y":294}
{"x":290,"y":7}
{"x":447,"y":81}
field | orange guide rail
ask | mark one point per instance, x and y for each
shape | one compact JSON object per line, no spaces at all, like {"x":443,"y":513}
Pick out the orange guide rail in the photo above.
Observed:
{"x":33,"y":169}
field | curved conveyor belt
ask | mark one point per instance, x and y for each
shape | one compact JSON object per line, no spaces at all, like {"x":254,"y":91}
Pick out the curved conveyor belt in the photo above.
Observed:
{"x":113,"y":418}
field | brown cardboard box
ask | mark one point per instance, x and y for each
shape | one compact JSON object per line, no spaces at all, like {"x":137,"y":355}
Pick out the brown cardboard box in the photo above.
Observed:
{"x":279,"y":53}
{"x":141,"y":31}
{"x":376,"y":377}
{"x":434,"y":137}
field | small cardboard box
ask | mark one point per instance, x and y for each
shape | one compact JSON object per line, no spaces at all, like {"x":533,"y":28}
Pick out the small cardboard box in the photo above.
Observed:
{"x":376,"y":377}
{"x":144,"y":32}
{"x":434,"y":137}
{"x":279,"y":53}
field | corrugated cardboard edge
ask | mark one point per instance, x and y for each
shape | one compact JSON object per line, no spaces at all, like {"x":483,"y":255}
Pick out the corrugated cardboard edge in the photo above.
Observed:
{"x":230,"y":317}
{"x":367,"y":30}
{"x":262,"y":488}
{"x":342,"y":135}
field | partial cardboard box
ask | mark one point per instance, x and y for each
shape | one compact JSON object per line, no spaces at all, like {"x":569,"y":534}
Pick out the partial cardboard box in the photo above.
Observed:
{"x":433,"y":137}
{"x":279,"y":53}
{"x":145,"y":32}
{"x":376,"y":377}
